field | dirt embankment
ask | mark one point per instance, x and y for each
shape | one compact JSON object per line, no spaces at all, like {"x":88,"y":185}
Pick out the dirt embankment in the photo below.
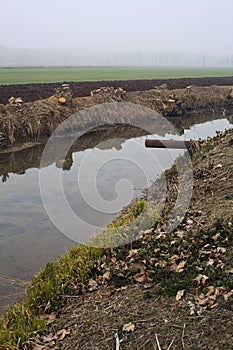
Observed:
{"x":33,"y":92}
{"x":32,"y":122}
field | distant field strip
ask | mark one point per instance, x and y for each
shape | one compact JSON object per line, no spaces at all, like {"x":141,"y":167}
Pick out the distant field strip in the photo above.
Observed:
{"x":28,"y":75}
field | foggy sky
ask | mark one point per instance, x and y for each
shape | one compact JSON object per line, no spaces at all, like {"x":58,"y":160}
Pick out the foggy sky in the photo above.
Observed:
{"x":173,"y":25}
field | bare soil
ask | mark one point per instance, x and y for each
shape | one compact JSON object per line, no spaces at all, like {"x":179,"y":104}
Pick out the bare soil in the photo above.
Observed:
{"x":33,"y":92}
{"x":95,"y":319}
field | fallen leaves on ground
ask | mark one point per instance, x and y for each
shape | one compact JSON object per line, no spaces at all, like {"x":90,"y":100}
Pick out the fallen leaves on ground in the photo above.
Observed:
{"x":62,"y":333}
{"x":50,"y":318}
{"x":128,"y":327}
{"x":180,"y":294}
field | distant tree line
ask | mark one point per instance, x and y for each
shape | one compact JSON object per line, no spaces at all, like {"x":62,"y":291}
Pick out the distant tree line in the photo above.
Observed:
{"x":75,"y":57}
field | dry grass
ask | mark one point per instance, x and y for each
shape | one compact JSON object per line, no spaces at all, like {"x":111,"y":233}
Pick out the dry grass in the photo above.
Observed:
{"x":96,"y":318}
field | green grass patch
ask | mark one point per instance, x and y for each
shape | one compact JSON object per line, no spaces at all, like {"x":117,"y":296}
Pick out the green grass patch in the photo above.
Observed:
{"x":69,"y":273}
{"x":208,"y":146}
{"x":27,"y":75}
{"x":126,"y":228}
{"x":19,"y":326}
{"x":129,"y":215}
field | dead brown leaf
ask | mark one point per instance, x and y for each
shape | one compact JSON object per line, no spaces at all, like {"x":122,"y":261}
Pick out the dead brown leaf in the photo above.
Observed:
{"x":192,"y":308}
{"x":221,"y":250}
{"x":180,"y":267}
{"x":160,"y":236}
{"x":140,"y":278}
{"x":129,"y":327}
{"x":211,"y":290}
{"x":180,"y":234}
{"x":148,"y":232}
{"x":156,"y":250}
{"x":107,"y":276}
{"x":219,"y":291}
{"x":50,"y":318}
{"x":210,"y":262}
{"x":216,"y":237}
{"x":132,"y":252}
{"x":203,"y":302}
{"x":49,"y":338}
{"x":218,"y":166}
{"x":92,"y":285}
{"x":180,"y":294}
{"x":121,"y":288}
{"x":228,"y":295}
{"x":148,"y":284}
{"x":62,"y":333}
{"x":201,"y":299}
{"x":201,"y":279}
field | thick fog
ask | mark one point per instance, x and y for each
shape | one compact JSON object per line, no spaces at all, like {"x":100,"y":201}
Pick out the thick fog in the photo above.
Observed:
{"x":108,"y":28}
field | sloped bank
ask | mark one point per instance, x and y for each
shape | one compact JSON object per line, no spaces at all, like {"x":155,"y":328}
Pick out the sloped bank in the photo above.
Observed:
{"x":166,"y":289}
{"x":29,"y":123}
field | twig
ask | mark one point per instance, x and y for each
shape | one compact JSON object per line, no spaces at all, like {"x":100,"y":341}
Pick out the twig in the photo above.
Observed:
{"x":157,"y":341}
{"x":70,"y":296}
{"x":143,"y":346}
{"x":133,"y":314}
{"x":171,"y":344}
{"x":117,"y":342}
{"x":177,"y":189}
{"x":222,"y":174}
{"x":176,"y":326}
{"x":182,"y":339}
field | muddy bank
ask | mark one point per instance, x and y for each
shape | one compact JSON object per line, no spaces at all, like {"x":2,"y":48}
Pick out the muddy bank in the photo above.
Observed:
{"x":33,"y":122}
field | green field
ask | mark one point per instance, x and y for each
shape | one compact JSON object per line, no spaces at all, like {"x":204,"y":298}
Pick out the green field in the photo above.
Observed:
{"x":59,"y":74}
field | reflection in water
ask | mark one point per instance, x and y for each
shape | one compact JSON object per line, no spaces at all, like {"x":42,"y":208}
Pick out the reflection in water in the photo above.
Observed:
{"x":185,"y":123}
{"x":28,"y":238}
{"x":19,"y":162}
